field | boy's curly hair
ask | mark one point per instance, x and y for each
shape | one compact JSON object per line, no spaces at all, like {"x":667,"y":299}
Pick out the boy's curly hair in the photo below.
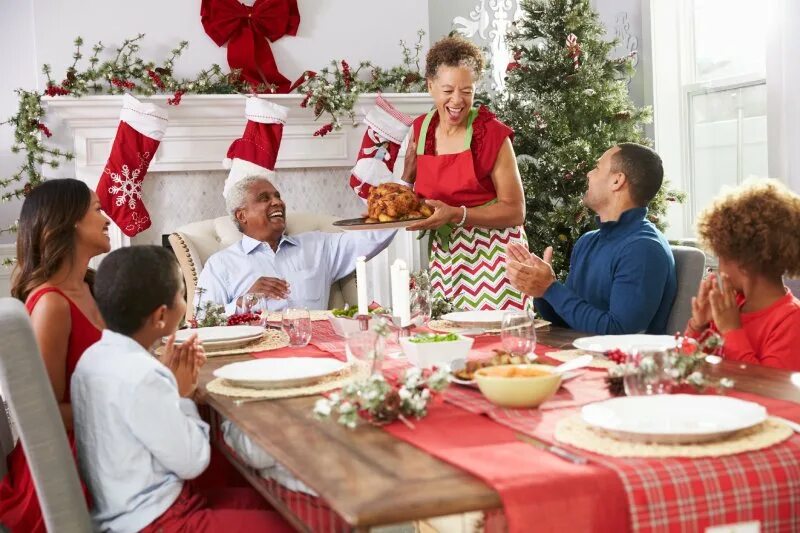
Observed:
{"x":454,"y":51}
{"x":757,"y":225}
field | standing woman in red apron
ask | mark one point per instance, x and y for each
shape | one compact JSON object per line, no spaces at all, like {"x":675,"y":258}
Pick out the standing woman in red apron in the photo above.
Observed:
{"x":461,"y":160}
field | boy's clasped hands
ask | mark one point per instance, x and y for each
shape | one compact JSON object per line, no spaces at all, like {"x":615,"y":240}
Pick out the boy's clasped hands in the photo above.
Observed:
{"x":185,"y":361}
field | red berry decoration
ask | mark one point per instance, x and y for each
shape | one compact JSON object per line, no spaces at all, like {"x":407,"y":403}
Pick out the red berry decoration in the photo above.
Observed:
{"x":243,"y":318}
{"x":616,"y":355}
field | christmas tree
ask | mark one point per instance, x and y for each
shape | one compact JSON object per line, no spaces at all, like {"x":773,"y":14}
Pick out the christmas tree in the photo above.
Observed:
{"x":568,"y":102}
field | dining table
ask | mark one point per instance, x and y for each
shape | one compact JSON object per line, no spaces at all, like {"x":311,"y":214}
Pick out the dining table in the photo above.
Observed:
{"x":367,"y":477}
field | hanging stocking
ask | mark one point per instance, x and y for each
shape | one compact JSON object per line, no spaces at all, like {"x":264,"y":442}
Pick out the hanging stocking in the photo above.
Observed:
{"x":386,"y":129}
{"x":139,"y":133}
{"x":257,"y":149}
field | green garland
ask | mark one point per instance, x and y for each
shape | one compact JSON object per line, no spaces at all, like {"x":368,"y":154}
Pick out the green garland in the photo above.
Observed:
{"x":334,"y":92}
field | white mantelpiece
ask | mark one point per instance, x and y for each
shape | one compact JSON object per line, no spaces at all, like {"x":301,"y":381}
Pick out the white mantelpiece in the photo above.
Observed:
{"x":202,"y":127}
{"x":186,"y":172}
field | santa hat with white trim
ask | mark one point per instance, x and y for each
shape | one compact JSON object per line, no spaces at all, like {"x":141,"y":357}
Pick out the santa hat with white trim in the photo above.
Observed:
{"x":257,"y":150}
{"x":386,"y":129}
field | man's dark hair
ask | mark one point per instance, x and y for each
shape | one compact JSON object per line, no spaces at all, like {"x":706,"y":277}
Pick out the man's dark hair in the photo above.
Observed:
{"x":133,"y":282}
{"x":642,"y":168}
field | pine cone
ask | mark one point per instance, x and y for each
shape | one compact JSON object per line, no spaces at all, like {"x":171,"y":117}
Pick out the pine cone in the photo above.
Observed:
{"x":319,"y":106}
{"x":389,"y":409}
{"x":616,"y":385}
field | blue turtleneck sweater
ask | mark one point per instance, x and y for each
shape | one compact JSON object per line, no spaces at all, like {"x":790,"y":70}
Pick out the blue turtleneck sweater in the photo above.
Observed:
{"x":621,"y":280}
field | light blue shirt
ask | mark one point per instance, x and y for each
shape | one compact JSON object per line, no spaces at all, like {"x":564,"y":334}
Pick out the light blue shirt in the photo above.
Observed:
{"x":137,"y":438}
{"x":309,"y":262}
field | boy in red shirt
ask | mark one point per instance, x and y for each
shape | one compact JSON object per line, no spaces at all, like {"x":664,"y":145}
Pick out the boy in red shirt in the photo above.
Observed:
{"x":754,"y":230}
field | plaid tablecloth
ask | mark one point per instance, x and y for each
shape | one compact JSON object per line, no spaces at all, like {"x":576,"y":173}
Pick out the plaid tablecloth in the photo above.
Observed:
{"x":678,"y":494}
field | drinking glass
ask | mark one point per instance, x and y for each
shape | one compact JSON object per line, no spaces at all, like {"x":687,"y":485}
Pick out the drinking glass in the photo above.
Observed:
{"x":518,"y":333}
{"x":255,"y":303}
{"x":365,"y":349}
{"x":420,"y":301}
{"x":648,"y":371}
{"x":296,"y":323}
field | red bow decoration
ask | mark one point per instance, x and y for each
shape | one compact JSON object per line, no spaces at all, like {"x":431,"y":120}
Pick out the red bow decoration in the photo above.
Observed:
{"x":247,"y":31}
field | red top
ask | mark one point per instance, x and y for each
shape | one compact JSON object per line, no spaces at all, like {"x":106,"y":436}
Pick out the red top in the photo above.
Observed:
{"x":19,"y":506}
{"x":769,"y":337}
{"x":488,"y":136}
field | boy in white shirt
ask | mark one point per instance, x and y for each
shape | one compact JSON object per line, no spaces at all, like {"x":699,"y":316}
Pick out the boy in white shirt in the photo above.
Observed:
{"x":139,"y":436}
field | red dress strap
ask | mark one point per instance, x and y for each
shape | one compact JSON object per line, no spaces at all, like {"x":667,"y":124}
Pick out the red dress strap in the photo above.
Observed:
{"x":83,"y":333}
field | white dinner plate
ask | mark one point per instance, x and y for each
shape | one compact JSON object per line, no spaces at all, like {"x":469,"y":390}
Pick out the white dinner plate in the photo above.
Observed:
{"x":279,"y":372}
{"x":218,"y":333}
{"x":604,"y":343}
{"x":477,"y":319}
{"x":673,"y":418}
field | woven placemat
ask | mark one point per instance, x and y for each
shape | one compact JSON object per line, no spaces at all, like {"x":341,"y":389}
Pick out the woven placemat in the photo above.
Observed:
{"x":447,"y":326}
{"x":567,"y":355}
{"x":271,"y":340}
{"x":327,"y":384}
{"x":316,"y":315}
{"x":576,"y":432}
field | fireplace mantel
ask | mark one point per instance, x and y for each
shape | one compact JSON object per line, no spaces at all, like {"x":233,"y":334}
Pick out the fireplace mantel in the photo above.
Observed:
{"x":202,"y":127}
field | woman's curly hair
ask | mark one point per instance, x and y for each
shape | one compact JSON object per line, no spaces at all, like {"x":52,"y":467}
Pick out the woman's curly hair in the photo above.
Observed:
{"x":757,"y":225}
{"x":454,"y":51}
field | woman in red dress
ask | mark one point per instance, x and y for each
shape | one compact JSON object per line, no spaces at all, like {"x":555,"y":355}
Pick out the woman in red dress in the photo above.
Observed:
{"x":61,"y":227}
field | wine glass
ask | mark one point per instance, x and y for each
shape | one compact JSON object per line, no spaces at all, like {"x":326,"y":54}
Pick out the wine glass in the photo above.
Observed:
{"x":365,"y":349}
{"x":648,"y":371}
{"x":420,"y":301}
{"x":254,"y":303}
{"x":296,"y":323}
{"x":518,"y":333}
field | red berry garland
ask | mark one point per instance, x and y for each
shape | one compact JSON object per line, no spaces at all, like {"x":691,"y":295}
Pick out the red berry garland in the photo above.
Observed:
{"x":176,"y":99}
{"x":156,"y":79}
{"x":324,"y":130}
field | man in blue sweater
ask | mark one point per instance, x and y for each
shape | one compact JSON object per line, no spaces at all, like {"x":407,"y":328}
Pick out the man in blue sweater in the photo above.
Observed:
{"x":622,"y":275}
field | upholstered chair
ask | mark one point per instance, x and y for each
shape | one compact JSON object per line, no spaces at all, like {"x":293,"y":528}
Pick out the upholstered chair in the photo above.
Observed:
{"x":690,"y":263}
{"x":194,"y":243}
{"x":32,"y":408}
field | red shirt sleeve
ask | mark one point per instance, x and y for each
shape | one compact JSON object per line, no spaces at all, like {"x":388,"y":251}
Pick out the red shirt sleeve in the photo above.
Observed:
{"x":779,"y":349}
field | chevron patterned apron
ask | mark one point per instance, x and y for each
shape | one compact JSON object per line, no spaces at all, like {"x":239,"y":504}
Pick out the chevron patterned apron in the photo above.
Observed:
{"x":468,"y":268}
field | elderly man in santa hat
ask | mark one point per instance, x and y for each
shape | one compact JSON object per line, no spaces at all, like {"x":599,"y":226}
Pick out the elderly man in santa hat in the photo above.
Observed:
{"x":292,"y":271}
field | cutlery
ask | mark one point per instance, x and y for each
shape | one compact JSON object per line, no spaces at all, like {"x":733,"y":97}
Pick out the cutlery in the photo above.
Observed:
{"x":794,"y":425}
{"x":241,"y":401}
{"x":567,"y":455}
{"x":578,"y":362}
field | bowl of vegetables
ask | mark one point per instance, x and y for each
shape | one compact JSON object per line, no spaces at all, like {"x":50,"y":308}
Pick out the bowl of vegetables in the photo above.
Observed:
{"x":431,"y":349}
{"x":343,"y":321}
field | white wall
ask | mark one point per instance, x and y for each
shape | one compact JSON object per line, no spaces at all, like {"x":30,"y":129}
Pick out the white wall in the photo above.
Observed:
{"x":42,"y":31}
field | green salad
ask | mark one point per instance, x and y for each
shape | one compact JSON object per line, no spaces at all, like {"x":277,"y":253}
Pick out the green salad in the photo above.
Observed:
{"x":351,"y":312}
{"x":431,"y":337}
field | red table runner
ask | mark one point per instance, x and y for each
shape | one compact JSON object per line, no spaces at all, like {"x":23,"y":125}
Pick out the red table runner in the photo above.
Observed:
{"x":543,"y":492}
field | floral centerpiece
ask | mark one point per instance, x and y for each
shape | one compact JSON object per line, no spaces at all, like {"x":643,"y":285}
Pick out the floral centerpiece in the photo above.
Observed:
{"x":380,"y":400}
{"x":685,"y":365}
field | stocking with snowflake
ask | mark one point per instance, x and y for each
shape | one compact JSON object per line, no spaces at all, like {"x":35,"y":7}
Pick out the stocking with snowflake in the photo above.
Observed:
{"x":141,"y":128}
{"x":386,"y":129}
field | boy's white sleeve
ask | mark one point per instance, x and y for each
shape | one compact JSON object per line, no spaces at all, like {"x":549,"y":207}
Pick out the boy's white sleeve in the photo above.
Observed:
{"x":169,"y":426}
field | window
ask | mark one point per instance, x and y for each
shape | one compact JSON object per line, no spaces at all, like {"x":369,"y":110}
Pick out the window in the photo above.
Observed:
{"x":714,"y":123}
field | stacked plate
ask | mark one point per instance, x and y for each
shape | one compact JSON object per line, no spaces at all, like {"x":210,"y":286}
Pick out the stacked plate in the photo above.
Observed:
{"x":673,"y":419}
{"x":476,"y":319}
{"x":279,"y":373}
{"x":626,"y":343}
{"x":221,"y":337}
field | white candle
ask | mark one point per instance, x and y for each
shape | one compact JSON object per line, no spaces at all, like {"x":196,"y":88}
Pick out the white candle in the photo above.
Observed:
{"x":361,"y":284}
{"x":393,"y":280}
{"x":404,"y":308}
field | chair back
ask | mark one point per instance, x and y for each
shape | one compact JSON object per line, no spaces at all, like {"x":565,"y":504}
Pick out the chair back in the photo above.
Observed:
{"x":194,"y":243}
{"x":34,"y":411}
{"x":690,"y":263}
